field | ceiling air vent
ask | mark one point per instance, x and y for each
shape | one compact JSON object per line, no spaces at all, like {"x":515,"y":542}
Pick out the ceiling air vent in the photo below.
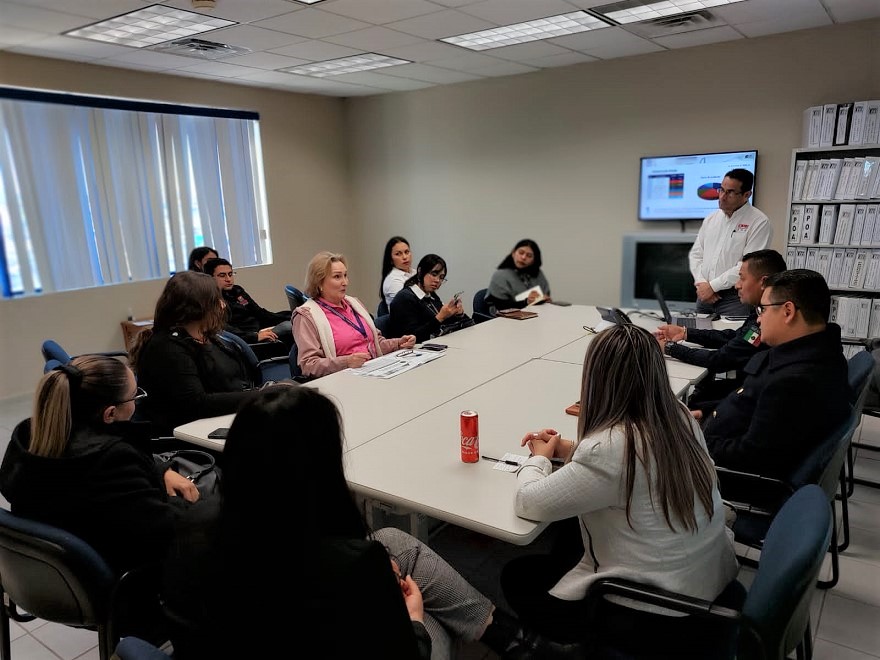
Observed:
{"x":663,"y":27}
{"x":205,"y":50}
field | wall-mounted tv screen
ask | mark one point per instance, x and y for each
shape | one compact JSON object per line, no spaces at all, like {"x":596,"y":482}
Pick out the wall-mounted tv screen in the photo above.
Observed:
{"x":686,"y":187}
{"x":661,"y":258}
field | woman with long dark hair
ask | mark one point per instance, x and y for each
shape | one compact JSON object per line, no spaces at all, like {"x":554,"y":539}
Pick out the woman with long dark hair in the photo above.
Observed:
{"x":396,"y":268}
{"x":519,"y":272}
{"x":199,"y":256}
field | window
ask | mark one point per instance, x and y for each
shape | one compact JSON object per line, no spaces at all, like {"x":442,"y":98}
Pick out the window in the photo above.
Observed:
{"x":97,"y":191}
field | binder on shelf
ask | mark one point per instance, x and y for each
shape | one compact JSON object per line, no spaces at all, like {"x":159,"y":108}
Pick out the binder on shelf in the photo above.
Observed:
{"x":868,"y":174}
{"x":795,"y":223}
{"x":872,"y":215}
{"x":859,"y":270}
{"x":870,"y":224}
{"x":829,"y":123}
{"x":837,"y":257}
{"x":874,"y":183}
{"x":874,"y":322}
{"x":863,"y":317}
{"x":872,"y":279}
{"x":843,"y":231}
{"x":846,"y":172}
{"x":828,"y":223}
{"x":800,"y":173}
{"x":832,"y":176}
{"x":812,"y":258}
{"x":844,"y":118}
{"x":857,"y":125}
{"x":812,"y":126}
{"x":823,"y":265}
{"x":846,"y":271}
{"x":809,"y":233}
{"x":790,"y":255}
{"x":818,"y":190}
{"x":858,"y":224}
{"x":872,"y":123}
{"x":800,"y":257}
{"x":855,"y":177}
{"x":814,"y":176}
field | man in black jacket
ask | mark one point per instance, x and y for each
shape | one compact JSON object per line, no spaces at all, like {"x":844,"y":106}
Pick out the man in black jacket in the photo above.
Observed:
{"x":794,"y":394}
{"x":726,"y":350}
{"x":245,"y":317}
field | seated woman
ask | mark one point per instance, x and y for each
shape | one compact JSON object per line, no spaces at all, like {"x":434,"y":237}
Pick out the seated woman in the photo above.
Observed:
{"x":334,"y":331}
{"x":396,"y":268}
{"x":643,"y":488}
{"x":359,"y":593}
{"x":519,"y":272}
{"x":79,"y":464}
{"x":199,"y":256}
{"x":188,"y":370}
{"x":418,"y":310}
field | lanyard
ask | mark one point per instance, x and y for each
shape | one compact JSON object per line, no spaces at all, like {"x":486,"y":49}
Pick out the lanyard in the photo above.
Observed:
{"x":360,"y":324}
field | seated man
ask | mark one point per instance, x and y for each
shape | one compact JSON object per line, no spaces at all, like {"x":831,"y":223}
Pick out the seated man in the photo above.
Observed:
{"x":795,"y":393}
{"x":726,"y":350}
{"x":245,"y":317}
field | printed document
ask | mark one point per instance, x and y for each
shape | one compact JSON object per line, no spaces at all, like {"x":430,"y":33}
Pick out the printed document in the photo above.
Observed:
{"x":398,"y":362}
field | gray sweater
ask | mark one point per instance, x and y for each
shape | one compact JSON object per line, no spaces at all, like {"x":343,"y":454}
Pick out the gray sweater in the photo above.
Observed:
{"x":507,"y":283}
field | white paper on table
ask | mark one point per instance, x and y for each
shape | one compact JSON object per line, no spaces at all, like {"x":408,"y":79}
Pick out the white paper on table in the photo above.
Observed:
{"x":519,"y":459}
{"x":525,"y":294}
{"x":396,"y":363}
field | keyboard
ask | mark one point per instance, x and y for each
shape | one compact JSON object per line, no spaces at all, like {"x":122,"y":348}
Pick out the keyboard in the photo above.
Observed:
{"x":695,"y":322}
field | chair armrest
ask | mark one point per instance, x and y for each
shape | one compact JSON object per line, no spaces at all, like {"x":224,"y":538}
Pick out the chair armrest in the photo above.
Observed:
{"x":746,"y":491}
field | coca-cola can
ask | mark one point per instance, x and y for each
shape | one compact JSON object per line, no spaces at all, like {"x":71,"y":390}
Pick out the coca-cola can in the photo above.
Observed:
{"x":470,"y":436}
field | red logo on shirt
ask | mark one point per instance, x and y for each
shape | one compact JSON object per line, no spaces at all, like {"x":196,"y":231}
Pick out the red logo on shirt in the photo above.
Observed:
{"x":742,"y":227}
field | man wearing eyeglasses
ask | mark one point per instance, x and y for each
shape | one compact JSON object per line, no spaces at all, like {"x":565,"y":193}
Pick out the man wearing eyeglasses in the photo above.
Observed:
{"x":795,"y":394}
{"x":245,"y":317}
{"x":735,"y":229}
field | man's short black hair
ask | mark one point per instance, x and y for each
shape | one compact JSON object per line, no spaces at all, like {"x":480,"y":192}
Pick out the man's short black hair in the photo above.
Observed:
{"x":807,"y":289}
{"x":764,"y":262}
{"x":212,"y":264}
{"x":746,"y":178}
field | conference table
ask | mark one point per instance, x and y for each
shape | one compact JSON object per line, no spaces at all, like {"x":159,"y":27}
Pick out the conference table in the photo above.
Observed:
{"x":402,"y":433}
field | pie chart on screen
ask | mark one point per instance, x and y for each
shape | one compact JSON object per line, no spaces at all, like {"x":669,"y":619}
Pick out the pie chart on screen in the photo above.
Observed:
{"x":709,"y":191}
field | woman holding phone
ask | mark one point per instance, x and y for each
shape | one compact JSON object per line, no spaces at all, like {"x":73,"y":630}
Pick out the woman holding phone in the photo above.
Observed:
{"x":418,"y":310}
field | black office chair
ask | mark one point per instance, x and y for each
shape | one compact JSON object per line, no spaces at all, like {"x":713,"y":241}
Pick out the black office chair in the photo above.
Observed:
{"x":273,"y":368}
{"x":54,"y":575}
{"x":757,"y":498}
{"x":861,"y":368}
{"x":482,"y":311}
{"x":295,"y":297}
{"x":52,"y":350}
{"x":382,"y":309}
{"x":774,"y":619}
{"x":382,"y":324}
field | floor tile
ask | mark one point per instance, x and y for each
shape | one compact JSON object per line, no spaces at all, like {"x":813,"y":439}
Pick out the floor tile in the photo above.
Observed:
{"x":859,"y":581}
{"x":851,"y":624}
{"x":66,"y":642}
{"x":27,"y":647}
{"x":825,"y":650}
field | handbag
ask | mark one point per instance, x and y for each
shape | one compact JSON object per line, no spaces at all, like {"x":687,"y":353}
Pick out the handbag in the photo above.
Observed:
{"x":198,"y":466}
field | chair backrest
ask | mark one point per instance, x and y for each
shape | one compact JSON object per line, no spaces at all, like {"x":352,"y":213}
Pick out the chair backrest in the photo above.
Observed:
{"x":382,"y":324}
{"x":482,"y":312}
{"x":859,"y":367}
{"x":295,"y":297}
{"x":382,"y":309}
{"x":777,"y":606}
{"x":53,"y":574}
{"x":293,"y":360}
{"x":274,"y":368}
{"x":822,"y":465}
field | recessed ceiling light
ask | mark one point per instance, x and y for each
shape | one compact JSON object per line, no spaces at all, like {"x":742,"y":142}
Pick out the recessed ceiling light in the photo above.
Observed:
{"x":306,"y":2}
{"x":633,"y":11}
{"x":149,"y":26}
{"x":520,"y":33}
{"x":353,"y":64}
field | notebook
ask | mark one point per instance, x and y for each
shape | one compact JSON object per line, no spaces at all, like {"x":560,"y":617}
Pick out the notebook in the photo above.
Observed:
{"x":683,"y":320}
{"x":518,"y":314}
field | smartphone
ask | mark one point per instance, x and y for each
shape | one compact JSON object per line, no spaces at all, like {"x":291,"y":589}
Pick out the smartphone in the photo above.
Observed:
{"x":457,"y":296}
{"x":218,"y":434}
{"x":434,"y":347}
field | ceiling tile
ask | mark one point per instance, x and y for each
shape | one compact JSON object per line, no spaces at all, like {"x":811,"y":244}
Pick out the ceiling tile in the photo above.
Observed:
{"x":312,"y":23}
{"x":379,"y":12}
{"x":381,"y":81}
{"x":430,"y":73}
{"x":151,"y":58}
{"x":851,"y":10}
{"x":607,"y":43}
{"x":240,"y":11}
{"x":219,"y":68}
{"x":374,"y":39}
{"x":787,"y":24}
{"x":9,"y":36}
{"x":504,"y":12}
{"x":699,"y":37}
{"x":268,"y":61}
{"x":466,"y":61}
{"x":442,"y":24}
{"x":40,"y":20}
{"x":423,"y":51}
{"x":315,"y":51}
{"x":57,"y":46}
{"x":504,"y":69}
{"x":254,"y":38}
{"x":523,"y":52}
{"x":95,"y":9}
{"x":570,"y":57}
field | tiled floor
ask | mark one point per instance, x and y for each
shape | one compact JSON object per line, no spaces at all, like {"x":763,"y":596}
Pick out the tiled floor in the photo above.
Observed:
{"x":846,"y":619}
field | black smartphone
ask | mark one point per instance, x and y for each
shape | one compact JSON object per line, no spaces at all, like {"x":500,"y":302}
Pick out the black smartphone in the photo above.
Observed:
{"x":434,"y":347}
{"x":218,"y":434}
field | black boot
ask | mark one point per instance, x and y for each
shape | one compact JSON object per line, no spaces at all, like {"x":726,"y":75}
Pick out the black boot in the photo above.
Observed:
{"x":503,"y":633}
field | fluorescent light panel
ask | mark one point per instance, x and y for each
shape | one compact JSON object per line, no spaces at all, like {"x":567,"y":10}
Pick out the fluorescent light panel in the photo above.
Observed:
{"x":353,"y":64}
{"x":149,"y":26}
{"x":633,"y":11}
{"x":520,"y":33}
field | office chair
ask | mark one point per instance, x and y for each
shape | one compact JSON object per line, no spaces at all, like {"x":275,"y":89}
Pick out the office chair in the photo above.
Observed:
{"x":774,"y":618}
{"x":861,"y":367}
{"x":382,"y":324}
{"x":295,"y":371}
{"x":274,"y":368}
{"x":295,"y":297}
{"x":382,"y":309}
{"x":757,"y":498}
{"x":53,"y":575}
{"x":482,"y":312}
{"x":52,"y":350}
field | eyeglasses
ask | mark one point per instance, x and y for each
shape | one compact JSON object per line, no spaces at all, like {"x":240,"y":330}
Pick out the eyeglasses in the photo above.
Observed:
{"x":760,"y":309}
{"x":140,"y":393}
{"x":725,"y":191}
{"x":439,"y":274}
{"x":226,"y":276}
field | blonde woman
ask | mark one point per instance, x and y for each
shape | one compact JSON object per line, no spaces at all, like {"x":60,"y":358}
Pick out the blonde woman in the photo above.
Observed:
{"x":332,"y":330}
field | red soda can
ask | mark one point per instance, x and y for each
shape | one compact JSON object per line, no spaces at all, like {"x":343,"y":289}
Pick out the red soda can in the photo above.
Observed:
{"x":470,"y":436}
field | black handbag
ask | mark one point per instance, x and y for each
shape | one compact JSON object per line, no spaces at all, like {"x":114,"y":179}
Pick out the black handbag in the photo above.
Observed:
{"x":196,"y":465}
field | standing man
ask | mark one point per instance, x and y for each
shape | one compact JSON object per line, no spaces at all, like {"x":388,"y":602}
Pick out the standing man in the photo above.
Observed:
{"x":726,"y":350}
{"x":726,"y":235}
{"x":794,"y":394}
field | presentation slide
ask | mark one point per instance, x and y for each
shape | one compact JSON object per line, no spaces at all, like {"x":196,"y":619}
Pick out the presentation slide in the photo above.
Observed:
{"x":686,"y":187}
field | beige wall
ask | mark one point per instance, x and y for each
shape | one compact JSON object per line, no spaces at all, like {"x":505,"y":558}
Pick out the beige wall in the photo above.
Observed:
{"x":466,"y":170}
{"x":307,"y":191}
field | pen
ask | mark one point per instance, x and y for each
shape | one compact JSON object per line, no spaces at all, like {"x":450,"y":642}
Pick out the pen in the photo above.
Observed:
{"x":500,"y":460}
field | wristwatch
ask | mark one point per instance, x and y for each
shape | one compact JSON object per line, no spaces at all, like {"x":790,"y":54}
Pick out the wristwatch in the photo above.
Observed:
{"x":667,"y":345}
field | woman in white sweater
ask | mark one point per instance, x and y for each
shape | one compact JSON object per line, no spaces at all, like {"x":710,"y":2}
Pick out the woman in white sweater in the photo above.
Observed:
{"x":643,"y":489}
